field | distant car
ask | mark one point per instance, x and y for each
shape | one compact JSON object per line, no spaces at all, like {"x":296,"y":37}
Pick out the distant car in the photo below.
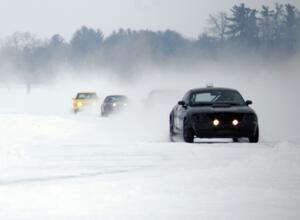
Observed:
{"x":214,"y":113}
{"x":113,"y":104}
{"x":83,"y":100}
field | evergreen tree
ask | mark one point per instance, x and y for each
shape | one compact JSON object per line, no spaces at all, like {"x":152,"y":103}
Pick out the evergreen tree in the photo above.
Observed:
{"x":267,"y":26}
{"x":242,"y":25}
{"x":291,"y":25}
{"x":86,"y":41}
{"x":278,"y":19}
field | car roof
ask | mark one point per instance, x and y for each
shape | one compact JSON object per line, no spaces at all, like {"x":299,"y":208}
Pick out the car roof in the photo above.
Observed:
{"x":211,"y":89}
{"x":116,"y":96}
{"x":91,"y":92}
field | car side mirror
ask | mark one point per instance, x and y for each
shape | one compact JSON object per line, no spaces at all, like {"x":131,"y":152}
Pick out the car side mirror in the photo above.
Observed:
{"x":181,"y":103}
{"x":249,"y":102}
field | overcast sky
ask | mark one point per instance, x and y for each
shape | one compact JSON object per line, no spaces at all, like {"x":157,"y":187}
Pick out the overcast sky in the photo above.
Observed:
{"x":48,"y":17}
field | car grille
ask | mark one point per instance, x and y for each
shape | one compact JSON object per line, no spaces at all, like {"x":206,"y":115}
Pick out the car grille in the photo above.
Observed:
{"x":226,"y":117}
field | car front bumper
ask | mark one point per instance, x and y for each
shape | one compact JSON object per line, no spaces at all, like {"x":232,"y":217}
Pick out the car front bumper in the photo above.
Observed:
{"x":225,"y":131}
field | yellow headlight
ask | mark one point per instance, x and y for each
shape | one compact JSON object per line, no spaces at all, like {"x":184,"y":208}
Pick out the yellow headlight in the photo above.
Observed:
{"x":79,"y":104}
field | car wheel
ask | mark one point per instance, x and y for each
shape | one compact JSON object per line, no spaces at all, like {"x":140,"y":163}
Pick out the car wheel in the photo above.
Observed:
{"x":171,"y":132}
{"x":76,"y":111}
{"x":235,"y":140}
{"x":188,"y":132}
{"x":171,"y":137}
{"x":255,"y":137}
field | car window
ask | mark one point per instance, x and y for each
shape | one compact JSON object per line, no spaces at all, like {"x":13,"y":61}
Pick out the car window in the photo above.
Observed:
{"x":203,"y":97}
{"x":115,"y":99}
{"x":216,"y":96}
{"x":86,"y":96}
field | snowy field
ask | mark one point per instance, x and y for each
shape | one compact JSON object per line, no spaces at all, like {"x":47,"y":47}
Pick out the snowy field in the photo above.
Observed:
{"x":57,"y":165}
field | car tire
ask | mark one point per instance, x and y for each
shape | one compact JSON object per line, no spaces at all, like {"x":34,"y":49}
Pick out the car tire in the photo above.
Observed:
{"x":255,"y":137}
{"x":171,"y":137}
{"x":188,"y":132}
{"x":76,"y":111}
{"x":235,"y":140}
{"x":171,"y":132}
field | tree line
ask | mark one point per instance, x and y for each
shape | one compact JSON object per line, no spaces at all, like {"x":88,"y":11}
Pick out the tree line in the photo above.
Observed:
{"x":243,"y":31}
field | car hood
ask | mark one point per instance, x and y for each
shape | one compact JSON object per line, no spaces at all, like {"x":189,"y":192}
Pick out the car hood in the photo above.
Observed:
{"x":86,"y":100}
{"x":229,"y":109}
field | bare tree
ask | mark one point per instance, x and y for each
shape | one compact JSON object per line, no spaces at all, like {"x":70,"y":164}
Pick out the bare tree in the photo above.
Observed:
{"x":22,"y":40}
{"x":218,"y":25}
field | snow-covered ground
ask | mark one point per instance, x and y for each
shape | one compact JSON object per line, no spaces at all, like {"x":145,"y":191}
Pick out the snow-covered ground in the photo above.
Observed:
{"x":57,"y":165}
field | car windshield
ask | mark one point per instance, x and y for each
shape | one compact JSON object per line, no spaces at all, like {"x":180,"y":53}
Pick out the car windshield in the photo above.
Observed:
{"x":216,"y":97}
{"x":115,"y":99}
{"x":86,"y":96}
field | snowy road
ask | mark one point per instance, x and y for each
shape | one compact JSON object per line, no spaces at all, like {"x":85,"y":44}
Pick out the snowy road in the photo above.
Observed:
{"x":56,"y":166}
{"x":85,"y":167}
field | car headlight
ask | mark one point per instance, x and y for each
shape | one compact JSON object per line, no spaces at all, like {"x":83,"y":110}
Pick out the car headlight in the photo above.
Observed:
{"x":235,"y":122}
{"x":114,"y":104}
{"x":216,"y":122}
{"x":79,"y":104}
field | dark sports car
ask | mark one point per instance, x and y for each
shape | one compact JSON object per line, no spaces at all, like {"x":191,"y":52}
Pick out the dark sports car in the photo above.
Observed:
{"x":214,"y":113}
{"x":113,"y":104}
